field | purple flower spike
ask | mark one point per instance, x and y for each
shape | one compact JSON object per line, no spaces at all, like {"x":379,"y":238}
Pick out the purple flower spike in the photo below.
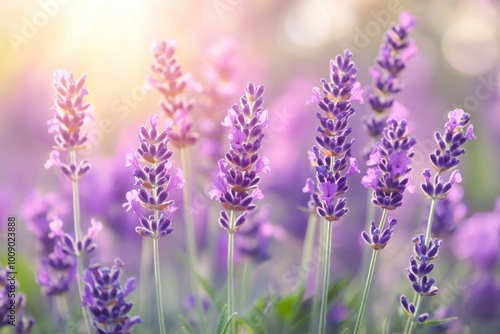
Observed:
{"x":394,"y":54}
{"x":237,"y":181}
{"x":173,"y":84}
{"x":154,"y":181}
{"x":70,"y":114}
{"x":57,"y":272}
{"x":331,"y":156}
{"x":377,"y":239}
{"x":68,"y":244}
{"x":104,"y":295}
{"x":389,"y":166}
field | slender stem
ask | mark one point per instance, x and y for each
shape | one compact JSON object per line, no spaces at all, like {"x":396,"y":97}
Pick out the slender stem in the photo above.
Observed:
{"x":410,"y":324}
{"x":245,"y":282}
{"x":313,"y":321}
{"x":191,"y":240}
{"x":326,"y":278}
{"x":78,"y":237}
{"x":158,"y":285}
{"x":62,"y":307}
{"x":145,"y":273}
{"x":369,"y":279}
{"x":230,"y":274}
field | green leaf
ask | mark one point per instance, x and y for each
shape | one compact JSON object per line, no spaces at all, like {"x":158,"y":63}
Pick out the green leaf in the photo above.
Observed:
{"x":222,"y":320}
{"x":182,"y":330}
{"x":226,"y":326}
{"x":438,"y":321}
{"x":206,"y":285}
{"x":186,"y":325}
{"x":285,"y":307}
{"x":344,"y":331}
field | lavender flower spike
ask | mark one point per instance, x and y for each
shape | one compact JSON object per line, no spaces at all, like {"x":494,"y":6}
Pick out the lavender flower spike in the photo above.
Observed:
{"x":389,"y":166}
{"x":458,"y":130}
{"x":378,"y":239}
{"x":154,"y":181}
{"x":237,"y":182}
{"x":394,"y":53}
{"x":168,"y":79}
{"x":332,"y":151}
{"x":104,"y":295}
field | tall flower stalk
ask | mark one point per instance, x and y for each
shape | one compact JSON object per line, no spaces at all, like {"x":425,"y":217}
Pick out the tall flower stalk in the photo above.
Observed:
{"x":154,"y":181}
{"x":71,"y":112}
{"x":458,"y":130}
{"x":331,"y":156}
{"x":389,"y":176}
{"x":169,"y":79}
{"x":237,"y":183}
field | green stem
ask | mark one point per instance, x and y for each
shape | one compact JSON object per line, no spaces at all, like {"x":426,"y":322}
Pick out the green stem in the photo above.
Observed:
{"x":158,"y":284}
{"x":245,"y":282}
{"x":411,"y":323}
{"x":230,"y":273}
{"x":145,"y":273}
{"x":326,"y":277}
{"x":62,"y":308}
{"x":191,"y":240}
{"x":369,"y":279}
{"x":313,"y":321}
{"x":78,"y":237}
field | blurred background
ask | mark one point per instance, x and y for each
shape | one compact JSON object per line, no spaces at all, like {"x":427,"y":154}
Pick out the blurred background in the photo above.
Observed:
{"x":286,"y":46}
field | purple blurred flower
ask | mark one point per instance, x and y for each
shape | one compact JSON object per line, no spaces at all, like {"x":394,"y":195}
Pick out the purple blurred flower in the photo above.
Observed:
{"x":389,"y":166}
{"x":237,"y":181}
{"x":70,"y":114}
{"x":68,"y":244}
{"x":477,"y":239}
{"x":12,"y":310}
{"x":57,"y":272}
{"x":332,"y":151}
{"x":169,"y":80}
{"x":38,"y":211}
{"x":394,"y":54}
{"x":154,"y":181}
{"x":104,"y":295}
{"x":254,"y":238}
{"x":448,"y":213}
{"x":481,"y":298}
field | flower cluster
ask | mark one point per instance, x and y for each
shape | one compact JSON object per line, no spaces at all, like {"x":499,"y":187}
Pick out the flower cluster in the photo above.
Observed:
{"x":418,"y":271}
{"x":70,"y":245}
{"x":333,"y":148}
{"x":70,"y":114}
{"x":394,"y":53}
{"x":389,"y":166}
{"x":378,"y":239}
{"x":172,"y":83}
{"x":237,"y":181}
{"x":154,"y":181}
{"x":58,"y":269}
{"x":457,"y":131}
{"x":104,"y":296}
{"x":12,"y":310}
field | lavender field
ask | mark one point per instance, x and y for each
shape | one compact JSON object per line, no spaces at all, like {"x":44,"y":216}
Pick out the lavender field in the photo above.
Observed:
{"x":237,"y":166}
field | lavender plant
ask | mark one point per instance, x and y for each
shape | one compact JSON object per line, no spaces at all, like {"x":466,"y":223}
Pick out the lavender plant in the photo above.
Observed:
{"x":154,"y":181}
{"x":396,"y":50}
{"x":458,"y":130}
{"x":388,"y":174}
{"x":104,"y":295}
{"x":71,"y":112}
{"x":331,"y":154}
{"x":174,"y":85}
{"x":237,"y":183}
